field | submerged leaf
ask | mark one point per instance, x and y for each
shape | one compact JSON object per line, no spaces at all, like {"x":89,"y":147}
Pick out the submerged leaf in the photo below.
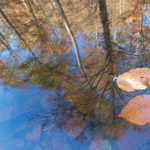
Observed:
{"x":100,"y":145}
{"x":137,"y":110}
{"x":72,"y":127}
{"x":135,"y":79}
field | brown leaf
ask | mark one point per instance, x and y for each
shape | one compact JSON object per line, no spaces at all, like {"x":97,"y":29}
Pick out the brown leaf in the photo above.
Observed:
{"x":135,"y":79}
{"x":72,"y":127}
{"x":137,"y":110}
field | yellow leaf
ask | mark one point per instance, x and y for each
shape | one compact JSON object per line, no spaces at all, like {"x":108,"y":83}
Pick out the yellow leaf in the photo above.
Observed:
{"x":28,"y":35}
{"x":145,"y":13}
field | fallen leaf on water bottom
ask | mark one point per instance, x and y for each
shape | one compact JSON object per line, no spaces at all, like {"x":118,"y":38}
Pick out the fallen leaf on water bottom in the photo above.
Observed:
{"x":100,"y":145}
{"x":72,"y":127}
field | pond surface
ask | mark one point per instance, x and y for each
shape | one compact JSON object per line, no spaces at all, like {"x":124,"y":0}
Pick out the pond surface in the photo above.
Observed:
{"x":74,"y":75}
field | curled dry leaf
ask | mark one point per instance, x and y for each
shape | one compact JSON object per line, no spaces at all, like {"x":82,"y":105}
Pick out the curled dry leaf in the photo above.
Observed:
{"x":135,"y":79}
{"x":137,"y":110}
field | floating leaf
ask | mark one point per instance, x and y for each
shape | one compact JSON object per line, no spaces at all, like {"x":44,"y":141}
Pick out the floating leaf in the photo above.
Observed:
{"x":72,"y":127}
{"x":137,"y":110}
{"x":35,"y":134}
{"x":135,"y":79}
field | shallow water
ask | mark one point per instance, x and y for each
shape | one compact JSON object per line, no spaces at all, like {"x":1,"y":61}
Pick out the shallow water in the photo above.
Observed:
{"x":55,"y":95}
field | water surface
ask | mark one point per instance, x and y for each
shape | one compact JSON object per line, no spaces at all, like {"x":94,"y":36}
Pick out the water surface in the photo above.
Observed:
{"x":57,"y":60}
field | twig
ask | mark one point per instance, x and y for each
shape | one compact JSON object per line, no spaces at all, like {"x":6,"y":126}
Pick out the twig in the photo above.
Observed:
{"x":119,"y":93}
{"x":90,"y":140}
{"x":49,"y":127}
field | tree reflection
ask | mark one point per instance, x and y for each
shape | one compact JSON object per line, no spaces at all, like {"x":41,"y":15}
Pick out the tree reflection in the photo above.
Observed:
{"x":35,"y":49}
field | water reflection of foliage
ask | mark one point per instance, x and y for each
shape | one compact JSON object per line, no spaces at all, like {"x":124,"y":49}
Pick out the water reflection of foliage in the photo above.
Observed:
{"x":52,"y":67}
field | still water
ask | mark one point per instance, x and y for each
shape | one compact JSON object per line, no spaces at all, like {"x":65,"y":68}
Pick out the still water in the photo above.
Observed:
{"x":74,"y":75}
